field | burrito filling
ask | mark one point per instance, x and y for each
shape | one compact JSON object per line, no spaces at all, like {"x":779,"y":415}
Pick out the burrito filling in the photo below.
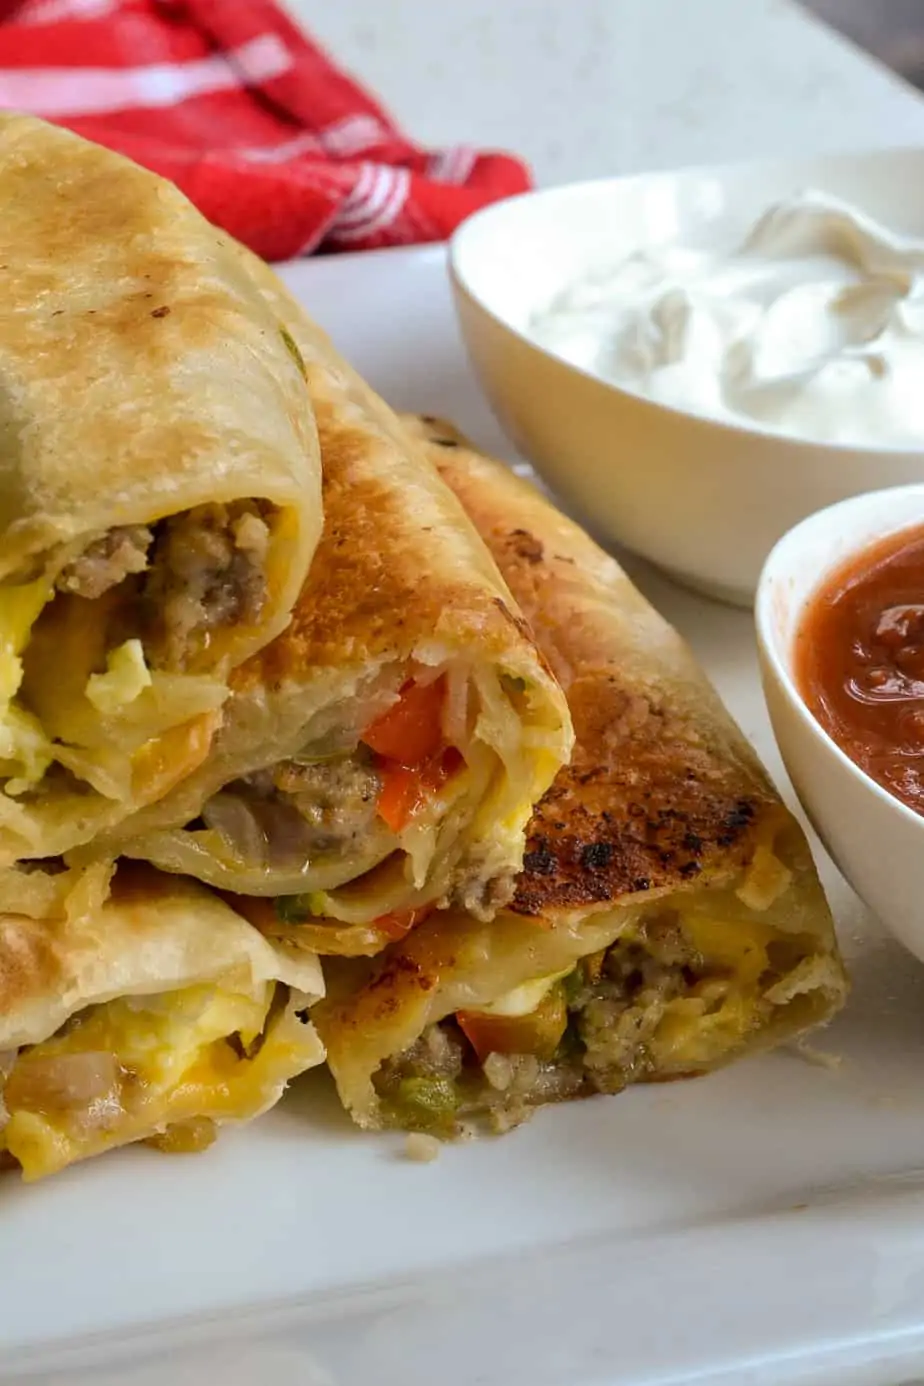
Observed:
{"x":203,"y":569}
{"x":673,"y":995}
{"x":99,"y":681}
{"x":163,"y":1068}
{"x":367,"y":825}
{"x":299,"y":809}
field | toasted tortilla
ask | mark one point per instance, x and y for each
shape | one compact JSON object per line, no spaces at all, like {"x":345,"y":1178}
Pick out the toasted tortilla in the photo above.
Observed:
{"x":151,"y":1011}
{"x":146,"y":383}
{"x":402,"y":595}
{"x":668,"y":918}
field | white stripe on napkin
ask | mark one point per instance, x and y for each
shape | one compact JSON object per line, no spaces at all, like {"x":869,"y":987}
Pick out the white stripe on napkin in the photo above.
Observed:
{"x":392,"y":188}
{"x":58,"y":92}
{"x":54,"y":11}
{"x":345,"y":138}
{"x":452,"y":165}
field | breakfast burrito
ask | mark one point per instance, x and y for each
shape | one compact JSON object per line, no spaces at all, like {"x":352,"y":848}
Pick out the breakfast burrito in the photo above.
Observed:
{"x":383,"y":755}
{"x":154,"y":1014}
{"x":668,"y":917}
{"x":159,"y":485}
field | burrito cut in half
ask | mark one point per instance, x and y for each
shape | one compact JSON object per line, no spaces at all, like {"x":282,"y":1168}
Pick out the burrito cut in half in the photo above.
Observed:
{"x":159,"y":485}
{"x":668,"y":918}
{"x":156,"y":1015}
{"x":383,"y":754}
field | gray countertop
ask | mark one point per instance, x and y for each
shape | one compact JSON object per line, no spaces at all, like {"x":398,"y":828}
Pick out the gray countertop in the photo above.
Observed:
{"x":584,"y":88}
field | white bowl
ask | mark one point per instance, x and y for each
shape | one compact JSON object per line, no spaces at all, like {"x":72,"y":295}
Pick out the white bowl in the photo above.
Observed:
{"x":876,"y":840}
{"x":702,"y":499}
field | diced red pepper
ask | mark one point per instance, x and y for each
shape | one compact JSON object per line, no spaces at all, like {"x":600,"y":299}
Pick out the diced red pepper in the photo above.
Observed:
{"x":410,"y":733}
{"x":537,"y":1033}
{"x":404,"y":790}
{"x":399,"y":796}
{"x":400,"y":922}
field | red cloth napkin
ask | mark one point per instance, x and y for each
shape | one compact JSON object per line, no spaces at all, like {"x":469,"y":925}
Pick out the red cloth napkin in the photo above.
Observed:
{"x":252,"y":120}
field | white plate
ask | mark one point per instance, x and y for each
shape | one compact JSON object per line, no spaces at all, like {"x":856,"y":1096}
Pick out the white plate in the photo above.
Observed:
{"x":761,"y":1226}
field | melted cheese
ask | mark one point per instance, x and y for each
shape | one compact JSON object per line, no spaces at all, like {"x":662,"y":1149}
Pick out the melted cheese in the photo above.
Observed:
{"x":165,"y":760}
{"x":20,"y":605}
{"x":25,"y":751}
{"x":713,"y":1018}
{"x":175,"y":1064}
{"x":738,"y":945}
{"x":719,"y":1013}
{"x":101,"y":713}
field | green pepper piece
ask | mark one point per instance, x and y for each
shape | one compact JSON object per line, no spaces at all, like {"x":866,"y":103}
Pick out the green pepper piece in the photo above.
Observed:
{"x":426,"y":1103}
{"x":293,"y":909}
{"x":574,"y":984}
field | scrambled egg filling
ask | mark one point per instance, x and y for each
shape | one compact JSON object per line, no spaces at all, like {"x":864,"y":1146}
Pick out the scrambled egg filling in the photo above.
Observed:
{"x":127,"y":675}
{"x":128,"y":1069}
{"x":102,"y":713}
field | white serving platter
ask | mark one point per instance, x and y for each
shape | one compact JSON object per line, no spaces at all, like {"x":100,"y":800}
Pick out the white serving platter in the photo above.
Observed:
{"x":763,"y":1227}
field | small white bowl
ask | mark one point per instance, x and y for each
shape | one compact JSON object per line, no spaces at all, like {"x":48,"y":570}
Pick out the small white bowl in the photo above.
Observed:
{"x":704,"y":500}
{"x":876,"y":840}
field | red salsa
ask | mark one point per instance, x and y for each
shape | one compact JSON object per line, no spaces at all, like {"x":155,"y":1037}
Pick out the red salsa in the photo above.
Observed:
{"x":860,"y":662}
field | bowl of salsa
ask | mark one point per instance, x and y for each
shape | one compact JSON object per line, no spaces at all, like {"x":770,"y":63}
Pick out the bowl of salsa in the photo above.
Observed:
{"x":859,"y":662}
{"x":840,"y":627}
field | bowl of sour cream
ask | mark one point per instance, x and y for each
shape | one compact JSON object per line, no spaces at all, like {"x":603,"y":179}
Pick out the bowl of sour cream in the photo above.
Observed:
{"x":697,"y":360}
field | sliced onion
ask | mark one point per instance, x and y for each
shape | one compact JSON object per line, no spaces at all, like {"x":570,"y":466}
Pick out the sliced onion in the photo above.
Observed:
{"x":64,"y":1082}
{"x":336,"y":743}
{"x":290,"y":840}
{"x":185,"y":1137}
{"x":237,"y":822}
{"x":262,"y":832}
{"x":455,"y":708}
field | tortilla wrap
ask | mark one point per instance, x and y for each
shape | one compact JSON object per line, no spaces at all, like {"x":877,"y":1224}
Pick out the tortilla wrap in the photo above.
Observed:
{"x":383,"y":754}
{"x":151,"y":1012}
{"x":159,"y":485}
{"x":668,"y":918}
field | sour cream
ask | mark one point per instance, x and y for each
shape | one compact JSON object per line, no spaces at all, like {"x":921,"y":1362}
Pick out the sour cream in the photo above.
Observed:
{"x":812,"y":327}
